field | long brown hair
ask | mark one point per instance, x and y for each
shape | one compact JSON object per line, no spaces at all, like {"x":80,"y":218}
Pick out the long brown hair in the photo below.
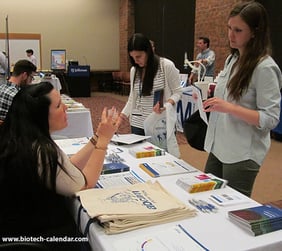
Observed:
{"x":255,"y":16}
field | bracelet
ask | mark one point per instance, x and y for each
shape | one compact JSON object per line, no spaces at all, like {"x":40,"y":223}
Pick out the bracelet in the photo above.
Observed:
{"x":94,"y":139}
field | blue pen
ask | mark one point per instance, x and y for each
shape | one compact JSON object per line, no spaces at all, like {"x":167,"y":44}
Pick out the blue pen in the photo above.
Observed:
{"x":208,"y":206}
{"x":195,"y":204}
{"x":202,"y":205}
{"x":216,"y":198}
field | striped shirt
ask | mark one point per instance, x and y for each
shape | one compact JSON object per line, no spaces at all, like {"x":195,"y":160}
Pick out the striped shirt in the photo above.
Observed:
{"x":144,"y":104}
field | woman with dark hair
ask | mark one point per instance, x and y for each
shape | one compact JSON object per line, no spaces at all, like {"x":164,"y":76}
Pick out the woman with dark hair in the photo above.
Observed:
{"x":246,"y":102}
{"x":149,"y":74}
{"x":35,"y":175}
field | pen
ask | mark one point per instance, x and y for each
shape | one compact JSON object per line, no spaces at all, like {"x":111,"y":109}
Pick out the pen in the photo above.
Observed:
{"x":216,"y":198}
{"x":202,"y":205}
{"x":195,"y":204}
{"x":120,"y":150}
{"x":209,"y":206}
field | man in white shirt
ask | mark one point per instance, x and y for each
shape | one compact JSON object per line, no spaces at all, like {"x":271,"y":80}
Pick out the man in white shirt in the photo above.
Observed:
{"x":31,"y":57}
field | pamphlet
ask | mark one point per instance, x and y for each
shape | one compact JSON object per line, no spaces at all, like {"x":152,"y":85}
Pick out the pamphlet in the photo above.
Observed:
{"x":258,"y":220}
{"x":114,"y":167}
{"x":118,"y":180}
{"x":226,"y":199}
{"x":163,"y":168}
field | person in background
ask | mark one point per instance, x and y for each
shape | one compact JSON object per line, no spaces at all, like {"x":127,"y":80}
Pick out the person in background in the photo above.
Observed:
{"x":206,"y":56}
{"x":148,"y":73}
{"x":3,"y":68}
{"x":22,"y":75}
{"x":36,"y":175}
{"x":31,"y":57}
{"x":246,"y":102}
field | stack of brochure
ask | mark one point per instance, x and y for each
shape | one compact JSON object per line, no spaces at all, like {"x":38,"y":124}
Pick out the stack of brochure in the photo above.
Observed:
{"x":258,"y":220}
{"x":201,"y":182}
{"x":135,"y":206}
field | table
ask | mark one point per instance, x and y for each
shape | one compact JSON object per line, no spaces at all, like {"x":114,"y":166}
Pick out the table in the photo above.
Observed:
{"x":79,"y":120}
{"x":213,"y":230}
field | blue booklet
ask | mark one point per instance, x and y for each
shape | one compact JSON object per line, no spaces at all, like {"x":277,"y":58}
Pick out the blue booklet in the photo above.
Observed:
{"x":114,"y":168}
{"x":258,"y":220}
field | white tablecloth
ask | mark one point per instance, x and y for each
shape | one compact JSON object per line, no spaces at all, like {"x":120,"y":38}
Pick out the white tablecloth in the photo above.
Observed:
{"x":212,"y":230}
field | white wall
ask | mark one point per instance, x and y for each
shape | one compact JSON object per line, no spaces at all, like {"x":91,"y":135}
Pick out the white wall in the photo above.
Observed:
{"x":87,"y":29}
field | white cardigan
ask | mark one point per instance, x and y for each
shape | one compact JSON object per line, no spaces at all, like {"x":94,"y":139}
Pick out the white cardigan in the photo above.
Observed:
{"x":172,"y":90}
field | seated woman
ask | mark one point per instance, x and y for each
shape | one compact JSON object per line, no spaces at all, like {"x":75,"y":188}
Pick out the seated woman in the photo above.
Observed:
{"x":35,"y":175}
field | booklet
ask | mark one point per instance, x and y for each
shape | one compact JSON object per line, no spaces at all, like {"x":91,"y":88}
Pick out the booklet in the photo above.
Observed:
{"x":128,"y":138}
{"x":114,"y":167}
{"x":118,"y":179}
{"x":226,"y":199}
{"x":163,"y":168}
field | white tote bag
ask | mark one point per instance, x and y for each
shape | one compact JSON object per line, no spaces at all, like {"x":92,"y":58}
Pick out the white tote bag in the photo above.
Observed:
{"x":161,"y":128}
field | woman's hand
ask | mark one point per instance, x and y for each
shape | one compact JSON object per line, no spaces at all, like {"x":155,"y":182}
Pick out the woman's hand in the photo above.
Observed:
{"x":122,"y":118}
{"x":218,"y":105}
{"x":157,"y":108}
{"x":108,"y":126}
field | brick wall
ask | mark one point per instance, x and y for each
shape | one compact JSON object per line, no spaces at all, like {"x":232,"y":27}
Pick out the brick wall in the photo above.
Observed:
{"x":210,"y":21}
{"x":126,"y":28}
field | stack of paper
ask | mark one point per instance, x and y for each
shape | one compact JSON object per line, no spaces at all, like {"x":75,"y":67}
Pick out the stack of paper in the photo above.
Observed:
{"x":135,"y":206}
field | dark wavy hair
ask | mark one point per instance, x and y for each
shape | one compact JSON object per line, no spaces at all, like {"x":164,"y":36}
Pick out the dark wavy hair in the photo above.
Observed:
{"x":138,"y":42}
{"x":255,"y":16}
{"x":26,"y":141}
